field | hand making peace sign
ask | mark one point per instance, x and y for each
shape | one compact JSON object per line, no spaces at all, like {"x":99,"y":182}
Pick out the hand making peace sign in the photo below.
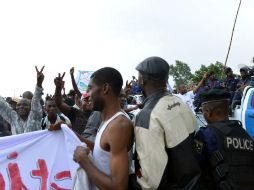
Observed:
{"x":40,"y":76}
{"x":59,"y":81}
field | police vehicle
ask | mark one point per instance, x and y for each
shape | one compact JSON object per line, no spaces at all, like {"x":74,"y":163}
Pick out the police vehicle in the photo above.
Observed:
{"x":245,"y":111}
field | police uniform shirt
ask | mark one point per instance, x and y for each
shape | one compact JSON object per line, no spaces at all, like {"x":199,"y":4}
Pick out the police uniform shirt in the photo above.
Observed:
{"x":231,"y":83}
{"x":164,"y":123}
{"x":226,"y":155}
{"x":206,"y":141}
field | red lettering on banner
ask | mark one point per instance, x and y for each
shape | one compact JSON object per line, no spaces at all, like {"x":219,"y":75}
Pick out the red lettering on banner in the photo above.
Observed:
{"x":63,"y":175}
{"x":55,"y":187}
{"x":15,"y":178}
{"x":2,"y":183}
{"x":12,"y":155}
{"x":60,"y":176}
{"x":42,"y":173}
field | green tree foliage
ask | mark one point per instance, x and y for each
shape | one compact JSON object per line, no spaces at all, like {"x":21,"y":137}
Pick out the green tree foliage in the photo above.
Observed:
{"x":217,"y":68}
{"x":181,"y":73}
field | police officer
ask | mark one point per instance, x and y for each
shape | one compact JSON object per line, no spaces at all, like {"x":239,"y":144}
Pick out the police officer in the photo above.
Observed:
{"x":230,"y":82}
{"x":224,"y":149}
{"x":243,"y":82}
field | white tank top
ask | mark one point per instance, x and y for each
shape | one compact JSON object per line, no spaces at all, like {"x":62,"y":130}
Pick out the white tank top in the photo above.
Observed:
{"x":101,"y":157}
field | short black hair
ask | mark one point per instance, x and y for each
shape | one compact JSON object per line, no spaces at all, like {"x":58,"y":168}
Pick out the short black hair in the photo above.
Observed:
{"x":49,"y":99}
{"x":111,"y":76}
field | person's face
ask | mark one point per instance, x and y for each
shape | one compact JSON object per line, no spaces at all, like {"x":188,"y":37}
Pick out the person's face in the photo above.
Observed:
{"x":242,"y":73}
{"x":51,"y":108}
{"x":212,"y":77}
{"x":123,"y":99}
{"x":230,"y":74}
{"x":86,"y":103}
{"x":182,"y":89}
{"x":96,"y":96}
{"x":71,"y":97}
{"x":23,"y":107}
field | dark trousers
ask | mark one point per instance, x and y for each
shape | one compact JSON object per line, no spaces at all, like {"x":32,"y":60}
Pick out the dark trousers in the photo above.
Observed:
{"x":133,"y":184}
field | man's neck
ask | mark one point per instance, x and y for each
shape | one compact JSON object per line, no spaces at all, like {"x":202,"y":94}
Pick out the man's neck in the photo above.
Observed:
{"x":150,"y":91}
{"x":110,"y":109}
{"x":24,"y":118}
{"x":52,"y":119}
{"x":219,"y":119}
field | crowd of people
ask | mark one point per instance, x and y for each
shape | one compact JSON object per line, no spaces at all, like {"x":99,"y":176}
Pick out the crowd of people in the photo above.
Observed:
{"x":143,"y":136}
{"x":233,"y":84}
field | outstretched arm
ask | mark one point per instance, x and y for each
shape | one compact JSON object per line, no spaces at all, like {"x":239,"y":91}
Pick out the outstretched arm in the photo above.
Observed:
{"x":36,"y":108}
{"x":59,"y":83}
{"x":74,"y":85}
{"x":35,"y":104}
{"x":201,"y":83}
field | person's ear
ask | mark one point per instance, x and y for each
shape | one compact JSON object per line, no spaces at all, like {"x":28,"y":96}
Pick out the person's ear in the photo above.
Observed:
{"x":105,"y":88}
{"x":207,"y":112}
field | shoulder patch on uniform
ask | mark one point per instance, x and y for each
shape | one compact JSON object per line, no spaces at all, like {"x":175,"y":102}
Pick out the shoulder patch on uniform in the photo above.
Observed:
{"x":173,"y":105}
{"x":198,"y":146}
{"x":236,"y":143}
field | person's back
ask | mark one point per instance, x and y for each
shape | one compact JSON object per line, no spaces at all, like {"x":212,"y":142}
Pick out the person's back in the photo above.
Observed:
{"x":224,"y":149}
{"x":163,"y":128}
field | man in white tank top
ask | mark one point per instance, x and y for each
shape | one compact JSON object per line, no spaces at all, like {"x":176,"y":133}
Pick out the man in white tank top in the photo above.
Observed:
{"x":114,"y":138}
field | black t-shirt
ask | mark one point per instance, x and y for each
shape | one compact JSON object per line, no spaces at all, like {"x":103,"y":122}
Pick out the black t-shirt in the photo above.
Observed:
{"x":78,"y":119}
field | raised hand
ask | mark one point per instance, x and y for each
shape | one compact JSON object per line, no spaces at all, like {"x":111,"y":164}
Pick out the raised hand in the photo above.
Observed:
{"x":128,"y":86}
{"x":59,"y":81}
{"x":206,"y":75}
{"x":40,"y":76}
{"x":72,"y":71}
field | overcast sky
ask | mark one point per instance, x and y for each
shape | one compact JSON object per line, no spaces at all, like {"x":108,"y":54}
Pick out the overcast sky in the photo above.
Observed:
{"x":93,"y":34}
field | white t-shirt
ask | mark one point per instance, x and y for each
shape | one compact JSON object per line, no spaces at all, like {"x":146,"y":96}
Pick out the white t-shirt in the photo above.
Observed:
{"x":188,"y":98}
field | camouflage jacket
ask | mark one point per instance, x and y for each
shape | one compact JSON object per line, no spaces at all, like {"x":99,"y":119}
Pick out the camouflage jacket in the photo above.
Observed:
{"x":18,"y":125}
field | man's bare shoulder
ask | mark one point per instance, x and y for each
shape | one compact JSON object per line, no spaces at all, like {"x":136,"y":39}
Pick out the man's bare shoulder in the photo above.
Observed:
{"x":121,"y":122}
{"x":121,"y":131}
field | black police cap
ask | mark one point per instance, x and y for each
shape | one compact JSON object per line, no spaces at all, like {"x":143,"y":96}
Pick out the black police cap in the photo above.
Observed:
{"x":154,"y":67}
{"x":227,"y":70}
{"x":244,"y":69}
{"x":215,"y":95}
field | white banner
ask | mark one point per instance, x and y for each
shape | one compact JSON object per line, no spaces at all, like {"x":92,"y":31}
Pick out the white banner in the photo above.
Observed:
{"x":82,"y":80}
{"x":40,"y":160}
